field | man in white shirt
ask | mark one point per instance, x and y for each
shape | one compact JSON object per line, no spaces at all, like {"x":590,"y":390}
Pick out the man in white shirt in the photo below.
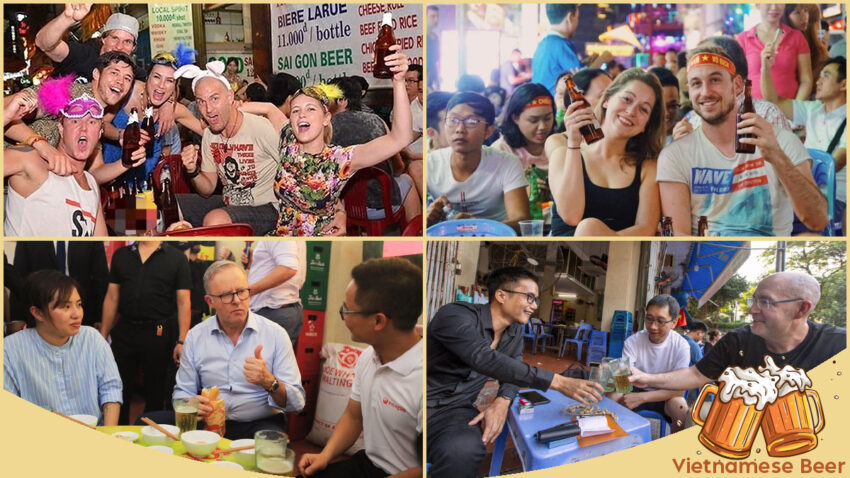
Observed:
{"x":824,"y":119}
{"x":659,"y":349}
{"x":740,"y":194}
{"x":473,"y":179}
{"x":277,"y":271}
{"x":382,"y":304}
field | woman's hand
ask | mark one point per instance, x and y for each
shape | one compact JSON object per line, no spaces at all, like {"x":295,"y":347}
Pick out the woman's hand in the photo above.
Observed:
{"x":397,"y":62}
{"x":578,"y":115}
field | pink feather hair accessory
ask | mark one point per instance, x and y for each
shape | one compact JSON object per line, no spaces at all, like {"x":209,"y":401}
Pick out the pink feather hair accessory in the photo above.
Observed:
{"x":54,"y":94}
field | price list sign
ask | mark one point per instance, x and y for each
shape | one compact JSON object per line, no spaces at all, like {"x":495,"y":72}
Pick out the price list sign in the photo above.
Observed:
{"x":170,"y":25}
{"x":315,"y":43}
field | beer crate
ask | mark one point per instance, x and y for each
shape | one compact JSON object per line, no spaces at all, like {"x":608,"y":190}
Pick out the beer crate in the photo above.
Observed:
{"x":318,"y":257}
{"x":314,"y":292}
{"x":308,"y":357}
{"x":312,"y":328}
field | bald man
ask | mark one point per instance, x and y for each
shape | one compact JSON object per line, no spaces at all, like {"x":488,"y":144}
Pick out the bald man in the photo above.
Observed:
{"x":780,"y":307}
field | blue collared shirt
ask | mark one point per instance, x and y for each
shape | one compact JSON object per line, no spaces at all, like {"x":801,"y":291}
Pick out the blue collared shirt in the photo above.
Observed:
{"x":210,"y":359}
{"x":77,"y":378}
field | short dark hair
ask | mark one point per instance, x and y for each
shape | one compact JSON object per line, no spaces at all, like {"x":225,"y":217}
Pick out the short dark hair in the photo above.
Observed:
{"x":713,"y":334}
{"x":281,"y":87}
{"x":392,"y":286}
{"x":111,"y":57}
{"x":351,"y":89}
{"x":505,"y":277}
{"x":472,"y":83}
{"x":437,"y":102}
{"x":479,"y":104}
{"x":842,"y":66}
{"x":46,"y":288}
{"x":232,"y":59}
{"x":698,"y":325}
{"x":521,"y":97}
{"x":496,"y":89}
{"x":665,"y":76}
{"x":256,"y":92}
{"x":662,"y":300}
{"x":732,"y":50}
{"x":582,"y":79}
{"x":556,"y":12}
{"x":364,"y":84}
{"x":416,"y":68}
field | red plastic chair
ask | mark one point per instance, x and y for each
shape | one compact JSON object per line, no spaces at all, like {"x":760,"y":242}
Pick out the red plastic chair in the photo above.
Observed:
{"x":355,"y":204}
{"x":414,"y":227}
{"x":228,"y":230}
{"x":179,"y":183}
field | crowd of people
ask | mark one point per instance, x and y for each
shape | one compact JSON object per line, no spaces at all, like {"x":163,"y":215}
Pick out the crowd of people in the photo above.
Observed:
{"x":82,"y":340}
{"x":669,"y":144}
{"x":261,"y":153}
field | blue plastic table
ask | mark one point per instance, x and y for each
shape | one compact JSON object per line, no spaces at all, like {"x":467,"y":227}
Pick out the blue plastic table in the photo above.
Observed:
{"x":535,"y":455}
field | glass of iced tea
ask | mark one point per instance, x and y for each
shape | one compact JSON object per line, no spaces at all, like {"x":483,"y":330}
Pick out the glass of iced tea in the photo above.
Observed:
{"x":272,"y":454}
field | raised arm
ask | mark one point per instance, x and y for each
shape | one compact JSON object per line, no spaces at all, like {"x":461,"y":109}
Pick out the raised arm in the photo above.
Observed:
{"x":768,"y":89}
{"x":400,"y":136}
{"x":269,"y":110}
{"x":804,"y":75}
{"x":49,"y":38}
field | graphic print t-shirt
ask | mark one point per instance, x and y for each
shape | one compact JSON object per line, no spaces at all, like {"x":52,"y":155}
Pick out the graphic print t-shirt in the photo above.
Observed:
{"x":246,"y":163}
{"x":59,"y":207}
{"x":742,"y":195}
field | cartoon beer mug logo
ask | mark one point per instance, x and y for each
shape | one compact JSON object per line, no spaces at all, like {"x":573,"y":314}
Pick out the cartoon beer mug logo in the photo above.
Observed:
{"x":775,"y":400}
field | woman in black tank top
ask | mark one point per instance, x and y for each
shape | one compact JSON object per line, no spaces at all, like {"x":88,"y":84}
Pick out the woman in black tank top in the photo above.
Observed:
{"x":608,"y":188}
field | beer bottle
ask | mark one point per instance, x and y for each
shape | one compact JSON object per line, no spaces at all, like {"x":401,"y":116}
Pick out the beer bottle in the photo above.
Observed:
{"x":666,"y":226}
{"x":592,"y":132}
{"x":746,"y":107}
{"x":702,"y":226}
{"x":167,"y":201}
{"x":386,"y":39}
{"x":148,"y":125}
{"x":132,"y":137}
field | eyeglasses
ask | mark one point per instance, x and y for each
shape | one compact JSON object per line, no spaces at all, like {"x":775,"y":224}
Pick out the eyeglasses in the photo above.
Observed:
{"x":227,"y":297}
{"x":165,"y":58}
{"x":471,"y":123}
{"x":658,"y":322}
{"x":343,"y":312}
{"x":531,"y":298}
{"x":766,"y":304}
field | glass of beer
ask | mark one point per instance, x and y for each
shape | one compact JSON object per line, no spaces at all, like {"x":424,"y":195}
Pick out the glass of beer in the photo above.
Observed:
{"x":622,"y":370}
{"x":186,"y":413}
{"x":607,"y":375}
{"x":791,"y":423}
{"x":272,"y":455}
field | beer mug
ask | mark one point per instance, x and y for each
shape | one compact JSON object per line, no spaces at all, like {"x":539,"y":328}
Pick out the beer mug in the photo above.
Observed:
{"x":730,"y":428}
{"x":787,"y":423}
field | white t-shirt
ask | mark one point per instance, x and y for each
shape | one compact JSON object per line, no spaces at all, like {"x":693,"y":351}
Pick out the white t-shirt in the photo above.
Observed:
{"x":820,"y":128}
{"x":390,"y":397}
{"x":418,"y":123}
{"x":246,"y":164}
{"x":267,"y":256}
{"x":483,"y":193}
{"x":59,"y":207}
{"x":742,"y":195}
{"x":672,"y":354}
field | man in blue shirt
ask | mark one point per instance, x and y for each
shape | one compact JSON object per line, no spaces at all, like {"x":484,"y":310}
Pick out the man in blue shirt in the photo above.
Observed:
{"x":694,"y":335}
{"x":60,"y":365}
{"x":555,"y":53}
{"x":248,"y":357}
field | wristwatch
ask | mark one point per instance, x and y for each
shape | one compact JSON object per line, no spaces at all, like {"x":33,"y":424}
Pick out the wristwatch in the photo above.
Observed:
{"x":274,"y":387}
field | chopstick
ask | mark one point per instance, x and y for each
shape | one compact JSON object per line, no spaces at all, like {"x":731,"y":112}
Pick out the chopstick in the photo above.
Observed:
{"x":75,"y":420}
{"x":163,"y":430}
{"x":239,"y":448}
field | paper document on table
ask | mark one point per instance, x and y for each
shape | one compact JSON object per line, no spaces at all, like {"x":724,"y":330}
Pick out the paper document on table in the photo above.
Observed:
{"x":597,"y":425}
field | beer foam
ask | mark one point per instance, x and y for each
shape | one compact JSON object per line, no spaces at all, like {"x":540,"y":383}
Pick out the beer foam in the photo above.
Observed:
{"x":752,"y":387}
{"x":789,"y":379}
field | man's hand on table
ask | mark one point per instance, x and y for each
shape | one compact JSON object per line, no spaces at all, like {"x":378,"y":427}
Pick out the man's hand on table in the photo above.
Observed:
{"x":312,"y":463}
{"x":632,"y":400}
{"x":582,"y":391}
{"x":494,"y":419}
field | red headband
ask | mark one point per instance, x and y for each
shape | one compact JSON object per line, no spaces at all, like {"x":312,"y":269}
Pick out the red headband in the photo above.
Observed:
{"x":711,"y":59}
{"x":539,"y":101}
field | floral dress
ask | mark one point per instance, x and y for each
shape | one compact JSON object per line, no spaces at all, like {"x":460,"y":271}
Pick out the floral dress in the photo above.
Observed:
{"x":309,"y":185}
